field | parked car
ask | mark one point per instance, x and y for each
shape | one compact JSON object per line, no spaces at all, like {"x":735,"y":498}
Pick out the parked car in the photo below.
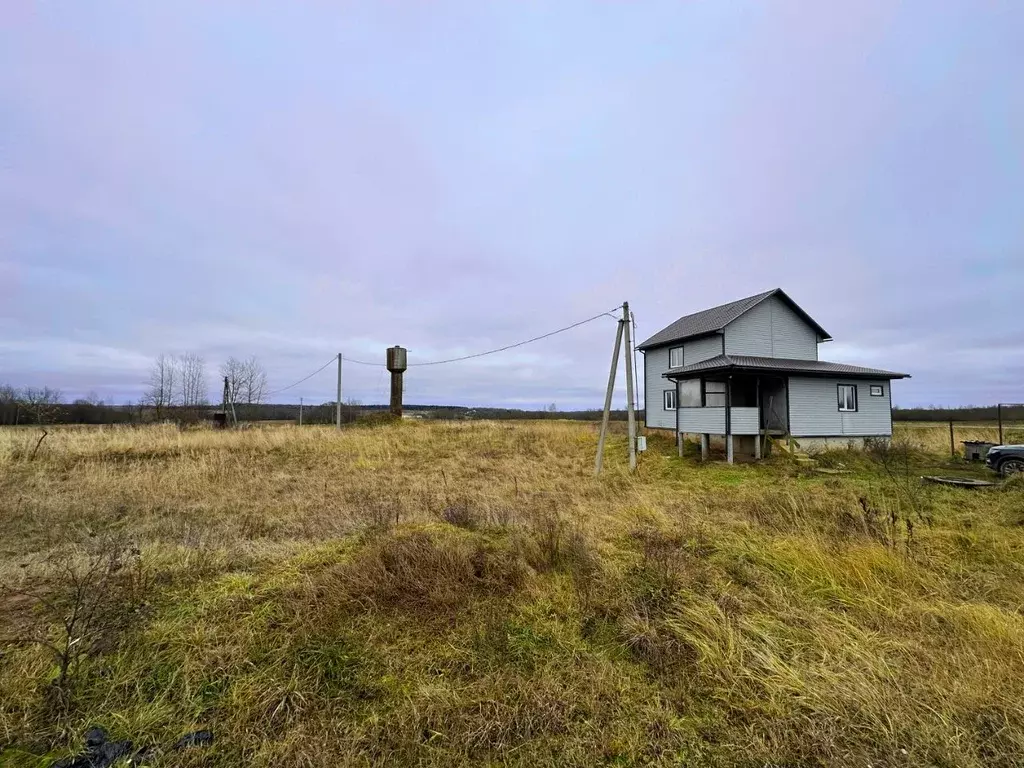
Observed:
{"x":1006,"y":459}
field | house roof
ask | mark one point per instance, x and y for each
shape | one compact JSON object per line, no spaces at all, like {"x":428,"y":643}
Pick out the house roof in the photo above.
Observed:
{"x":715,"y":319}
{"x":746,"y":363}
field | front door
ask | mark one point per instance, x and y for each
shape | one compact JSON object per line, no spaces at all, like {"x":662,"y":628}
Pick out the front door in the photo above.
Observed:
{"x":774,"y":406}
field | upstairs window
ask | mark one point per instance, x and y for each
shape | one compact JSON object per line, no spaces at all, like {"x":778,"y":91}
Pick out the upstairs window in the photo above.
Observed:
{"x":714,"y":394}
{"x":847,"y":397}
{"x":670,"y":399}
{"x":675,"y":357}
{"x":877,"y":391}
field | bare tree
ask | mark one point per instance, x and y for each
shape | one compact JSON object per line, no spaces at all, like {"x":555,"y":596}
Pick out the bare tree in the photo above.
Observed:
{"x":162,"y":386}
{"x":255,"y":381}
{"x":247,"y":381}
{"x":192,"y":389}
{"x":233,"y":370}
{"x":40,"y":402}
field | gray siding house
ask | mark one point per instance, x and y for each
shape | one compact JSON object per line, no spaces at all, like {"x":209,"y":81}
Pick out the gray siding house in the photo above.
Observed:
{"x":750,"y":368}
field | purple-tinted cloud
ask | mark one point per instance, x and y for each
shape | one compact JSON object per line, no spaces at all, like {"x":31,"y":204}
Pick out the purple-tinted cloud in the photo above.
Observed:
{"x":293,"y":180}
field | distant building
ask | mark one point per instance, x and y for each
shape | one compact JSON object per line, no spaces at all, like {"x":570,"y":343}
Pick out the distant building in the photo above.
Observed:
{"x":750,"y":368}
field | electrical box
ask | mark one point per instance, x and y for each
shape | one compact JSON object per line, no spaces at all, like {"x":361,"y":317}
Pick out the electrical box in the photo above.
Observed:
{"x":641,"y":444}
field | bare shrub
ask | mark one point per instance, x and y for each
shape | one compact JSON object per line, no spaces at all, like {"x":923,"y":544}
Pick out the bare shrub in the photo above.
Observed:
{"x":461,"y":515}
{"x":382,"y":514}
{"x":547,"y":529}
{"x":90,"y":596}
{"x":899,"y":459}
{"x":421,"y":572}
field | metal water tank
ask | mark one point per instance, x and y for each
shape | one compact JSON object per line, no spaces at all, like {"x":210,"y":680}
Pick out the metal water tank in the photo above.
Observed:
{"x":396,"y":359}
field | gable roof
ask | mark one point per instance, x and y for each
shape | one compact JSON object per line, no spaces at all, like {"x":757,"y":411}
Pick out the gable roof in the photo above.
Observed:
{"x":715,"y":319}
{"x":722,"y":363}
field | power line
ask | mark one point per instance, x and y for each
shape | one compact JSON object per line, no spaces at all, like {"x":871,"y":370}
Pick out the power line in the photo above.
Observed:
{"x":453,"y":359}
{"x":519,"y":343}
{"x":300,"y":381}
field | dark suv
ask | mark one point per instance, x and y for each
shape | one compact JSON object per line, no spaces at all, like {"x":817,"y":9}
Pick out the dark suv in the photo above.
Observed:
{"x":1006,"y":459}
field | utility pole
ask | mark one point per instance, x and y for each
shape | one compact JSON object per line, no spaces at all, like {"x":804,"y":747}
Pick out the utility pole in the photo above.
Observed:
{"x":300,"y":411}
{"x":608,"y":400}
{"x":337,"y":412}
{"x":629,"y":386}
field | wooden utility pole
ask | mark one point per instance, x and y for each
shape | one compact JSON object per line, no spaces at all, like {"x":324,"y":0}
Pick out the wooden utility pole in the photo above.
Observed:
{"x":300,"y":411}
{"x":337,"y":406}
{"x":626,"y":321}
{"x":608,"y":400}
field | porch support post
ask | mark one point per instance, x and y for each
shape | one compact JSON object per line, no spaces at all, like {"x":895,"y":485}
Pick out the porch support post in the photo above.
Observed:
{"x":679,"y":435}
{"x":760,"y":427}
{"x":728,"y":420}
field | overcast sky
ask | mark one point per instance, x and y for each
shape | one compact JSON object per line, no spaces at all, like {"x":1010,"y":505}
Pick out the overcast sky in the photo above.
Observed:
{"x":292,"y":180}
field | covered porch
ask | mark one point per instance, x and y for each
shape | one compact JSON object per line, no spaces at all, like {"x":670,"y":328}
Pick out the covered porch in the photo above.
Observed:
{"x":743,"y":408}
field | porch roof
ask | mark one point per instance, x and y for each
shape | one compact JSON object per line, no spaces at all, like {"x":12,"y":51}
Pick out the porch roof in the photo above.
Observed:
{"x":749,"y":364}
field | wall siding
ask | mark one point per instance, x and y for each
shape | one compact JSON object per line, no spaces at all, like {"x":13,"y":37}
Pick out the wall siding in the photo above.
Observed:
{"x":814,"y":411}
{"x":771,"y":329}
{"x":701,"y":420}
{"x":744,"y":421}
{"x":751,"y":333}
{"x":698,"y":350}
{"x":655,"y":364}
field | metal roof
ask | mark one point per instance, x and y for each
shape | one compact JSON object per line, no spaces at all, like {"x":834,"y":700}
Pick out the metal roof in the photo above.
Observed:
{"x":723,"y":363}
{"x":715,"y":319}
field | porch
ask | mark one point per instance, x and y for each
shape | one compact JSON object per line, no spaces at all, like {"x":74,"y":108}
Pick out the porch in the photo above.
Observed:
{"x":742,"y":408}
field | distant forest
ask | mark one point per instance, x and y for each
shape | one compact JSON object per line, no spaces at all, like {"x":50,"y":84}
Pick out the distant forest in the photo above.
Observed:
{"x":967,"y":413}
{"x":50,"y":410}
{"x":43,"y":410}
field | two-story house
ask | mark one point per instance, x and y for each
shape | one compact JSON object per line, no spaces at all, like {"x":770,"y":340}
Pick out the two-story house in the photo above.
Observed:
{"x":750,"y":368}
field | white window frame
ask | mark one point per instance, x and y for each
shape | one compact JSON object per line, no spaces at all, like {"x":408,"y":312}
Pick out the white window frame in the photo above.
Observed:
{"x":843,"y":399}
{"x":877,"y":390}
{"x":671,"y":354}
{"x":668,"y":399}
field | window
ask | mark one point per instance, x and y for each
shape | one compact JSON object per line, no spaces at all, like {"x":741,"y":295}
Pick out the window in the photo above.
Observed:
{"x":689,"y":394}
{"x":877,"y":391}
{"x":670,"y":399}
{"x":714,"y":394}
{"x":675,"y":357}
{"x":847,"y":397}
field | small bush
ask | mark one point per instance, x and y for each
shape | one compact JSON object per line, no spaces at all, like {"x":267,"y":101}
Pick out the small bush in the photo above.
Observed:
{"x":421,"y":571}
{"x":460,"y":515}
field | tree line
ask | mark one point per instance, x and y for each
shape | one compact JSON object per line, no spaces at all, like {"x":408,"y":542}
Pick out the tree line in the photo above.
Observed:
{"x":178,"y":386}
{"x":966,"y":413}
{"x":178,"y":389}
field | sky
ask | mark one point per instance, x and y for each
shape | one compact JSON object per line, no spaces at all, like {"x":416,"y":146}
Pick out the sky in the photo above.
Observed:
{"x":293,"y":180}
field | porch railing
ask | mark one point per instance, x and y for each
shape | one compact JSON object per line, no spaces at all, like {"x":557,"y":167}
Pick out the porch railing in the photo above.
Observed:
{"x":712,"y":420}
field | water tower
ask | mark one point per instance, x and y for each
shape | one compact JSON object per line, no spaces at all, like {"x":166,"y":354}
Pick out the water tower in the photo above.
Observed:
{"x":397,"y":363}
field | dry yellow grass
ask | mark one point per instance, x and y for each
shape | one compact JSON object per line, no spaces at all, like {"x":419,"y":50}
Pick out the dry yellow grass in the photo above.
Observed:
{"x":934,"y":436}
{"x":467,"y":593}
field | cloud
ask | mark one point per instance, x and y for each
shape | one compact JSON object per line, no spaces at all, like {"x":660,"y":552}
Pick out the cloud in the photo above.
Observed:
{"x":294,"y":181}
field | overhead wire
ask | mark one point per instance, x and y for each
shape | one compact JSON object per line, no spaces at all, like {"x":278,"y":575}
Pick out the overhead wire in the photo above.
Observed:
{"x":518,"y":343}
{"x":456,"y":359}
{"x":304,"y":379}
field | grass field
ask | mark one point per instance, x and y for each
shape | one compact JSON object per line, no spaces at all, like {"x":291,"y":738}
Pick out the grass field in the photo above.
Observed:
{"x":467,"y":593}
